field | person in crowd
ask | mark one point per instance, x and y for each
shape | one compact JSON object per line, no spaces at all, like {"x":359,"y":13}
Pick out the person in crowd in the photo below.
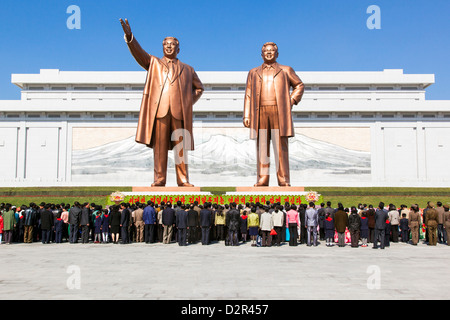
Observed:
{"x":181,"y":222}
{"x":168,"y":221}
{"x":47,"y":223}
{"x":84,"y":222}
{"x":125,"y":218}
{"x":205,"y":224}
{"x":266,"y":226}
{"x":441,"y":234}
{"x":59,"y":228}
{"x":193,"y":225}
{"x":432,"y":224}
{"x":149,"y":218}
{"x":364,"y":228}
{"x":292,"y":223}
{"x":9,"y":222}
{"x":114,"y":225}
{"x":328,"y":224}
{"x":138,"y":221}
{"x":371,"y":223}
{"x":381,"y":215}
{"x":74,"y":221}
{"x":302,"y":230}
{"x":233,"y":221}
{"x":321,"y":214}
{"x":1,"y":226}
{"x":220,"y":223}
{"x":65,"y":218}
{"x":414,"y":223}
{"x":278,"y":224}
{"x":98,"y":227}
{"x":311,"y":222}
{"x":404,"y":229}
{"x":341,"y":224}
{"x":394,"y":218}
{"x":30,"y":222}
{"x":243,"y":225}
{"x":105,"y":226}
{"x":253,"y":226}
{"x":387,"y":241}
{"x":354,"y":226}
{"x":447,"y":222}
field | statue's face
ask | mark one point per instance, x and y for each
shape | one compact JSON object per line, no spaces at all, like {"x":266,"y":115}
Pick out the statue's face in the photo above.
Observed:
{"x":170,"y":48}
{"x":269,"y":54}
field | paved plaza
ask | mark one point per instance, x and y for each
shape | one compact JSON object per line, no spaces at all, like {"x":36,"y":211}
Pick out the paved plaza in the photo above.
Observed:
{"x":216,"y":272}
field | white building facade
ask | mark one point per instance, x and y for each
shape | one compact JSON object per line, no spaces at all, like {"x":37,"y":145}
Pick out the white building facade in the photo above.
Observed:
{"x":352,"y":129}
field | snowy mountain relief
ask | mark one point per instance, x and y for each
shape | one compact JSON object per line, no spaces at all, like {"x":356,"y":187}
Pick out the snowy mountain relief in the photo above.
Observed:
{"x":221,"y":160}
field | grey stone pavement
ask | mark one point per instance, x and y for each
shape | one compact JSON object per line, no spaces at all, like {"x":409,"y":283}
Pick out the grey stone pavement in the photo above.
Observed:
{"x":215,"y":272}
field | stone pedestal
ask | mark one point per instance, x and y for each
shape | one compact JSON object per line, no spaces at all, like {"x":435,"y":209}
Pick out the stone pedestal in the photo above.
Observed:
{"x":270,"y":189}
{"x":167,"y":189}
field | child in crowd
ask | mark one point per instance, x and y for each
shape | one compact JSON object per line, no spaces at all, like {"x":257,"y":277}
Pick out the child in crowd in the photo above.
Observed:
{"x":98,"y":227}
{"x":387,"y":236}
{"x":404,"y":229}
{"x":364,"y":228}
{"x":328,"y":224}
{"x":105,"y":226}
{"x":59,"y":225}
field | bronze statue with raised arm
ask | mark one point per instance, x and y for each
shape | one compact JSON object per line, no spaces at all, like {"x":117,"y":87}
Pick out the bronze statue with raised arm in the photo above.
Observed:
{"x":267,"y":112}
{"x":165,"y":118}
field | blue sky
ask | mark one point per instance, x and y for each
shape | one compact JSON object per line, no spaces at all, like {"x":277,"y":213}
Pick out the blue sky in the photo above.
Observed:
{"x":217,"y":35}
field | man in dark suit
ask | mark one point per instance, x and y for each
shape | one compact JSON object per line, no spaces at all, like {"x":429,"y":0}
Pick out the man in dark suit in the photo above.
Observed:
{"x":168,"y":221}
{"x":149,"y":217}
{"x":205,"y":223}
{"x":381,"y":215}
{"x":233,"y":221}
{"x":46,"y":223}
{"x":182,"y":225}
{"x":193,"y":222}
{"x":302,"y":216}
{"x":84,"y":222}
{"x":125,"y":222}
{"x":74,"y":221}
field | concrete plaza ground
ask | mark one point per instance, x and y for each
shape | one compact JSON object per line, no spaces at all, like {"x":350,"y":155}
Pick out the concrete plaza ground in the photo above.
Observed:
{"x":216,"y":272}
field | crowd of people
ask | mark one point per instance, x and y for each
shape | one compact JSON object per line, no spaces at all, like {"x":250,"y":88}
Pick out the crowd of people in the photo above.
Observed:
{"x":261,"y":225}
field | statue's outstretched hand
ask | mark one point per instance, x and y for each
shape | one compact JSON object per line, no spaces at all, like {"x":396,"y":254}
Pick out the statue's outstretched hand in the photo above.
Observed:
{"x":126,"y":28}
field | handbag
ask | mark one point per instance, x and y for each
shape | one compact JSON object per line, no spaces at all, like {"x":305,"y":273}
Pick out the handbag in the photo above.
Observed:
{"x":288,"y":235}
{"x":258,"y":241}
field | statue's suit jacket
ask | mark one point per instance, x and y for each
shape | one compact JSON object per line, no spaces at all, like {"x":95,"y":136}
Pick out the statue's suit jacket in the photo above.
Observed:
{"x":190,"y":91}
{"x":284,"y":78}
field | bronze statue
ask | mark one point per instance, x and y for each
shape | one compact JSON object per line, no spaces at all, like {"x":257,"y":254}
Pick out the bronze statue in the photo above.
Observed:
{"x":267,"y":112}
{"x":165,"y":118}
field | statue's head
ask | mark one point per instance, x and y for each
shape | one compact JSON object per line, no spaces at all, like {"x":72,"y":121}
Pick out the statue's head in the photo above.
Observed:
{"x":171,"y":47}
{"x":269,"y":52}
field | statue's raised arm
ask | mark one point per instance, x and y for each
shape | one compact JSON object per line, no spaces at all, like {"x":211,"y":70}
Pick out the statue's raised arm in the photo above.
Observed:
{"x":139,"y":54}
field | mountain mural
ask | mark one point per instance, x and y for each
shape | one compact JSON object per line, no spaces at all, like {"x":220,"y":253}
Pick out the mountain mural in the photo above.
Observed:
{"x":220,"y":158}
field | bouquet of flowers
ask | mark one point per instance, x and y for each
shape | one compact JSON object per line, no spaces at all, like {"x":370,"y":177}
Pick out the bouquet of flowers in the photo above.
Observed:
{"x":117,"y":197}
{"x":312,"y":196}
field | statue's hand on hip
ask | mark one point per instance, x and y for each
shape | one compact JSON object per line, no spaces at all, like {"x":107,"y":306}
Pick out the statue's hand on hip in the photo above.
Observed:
{"x":247,"y":122}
